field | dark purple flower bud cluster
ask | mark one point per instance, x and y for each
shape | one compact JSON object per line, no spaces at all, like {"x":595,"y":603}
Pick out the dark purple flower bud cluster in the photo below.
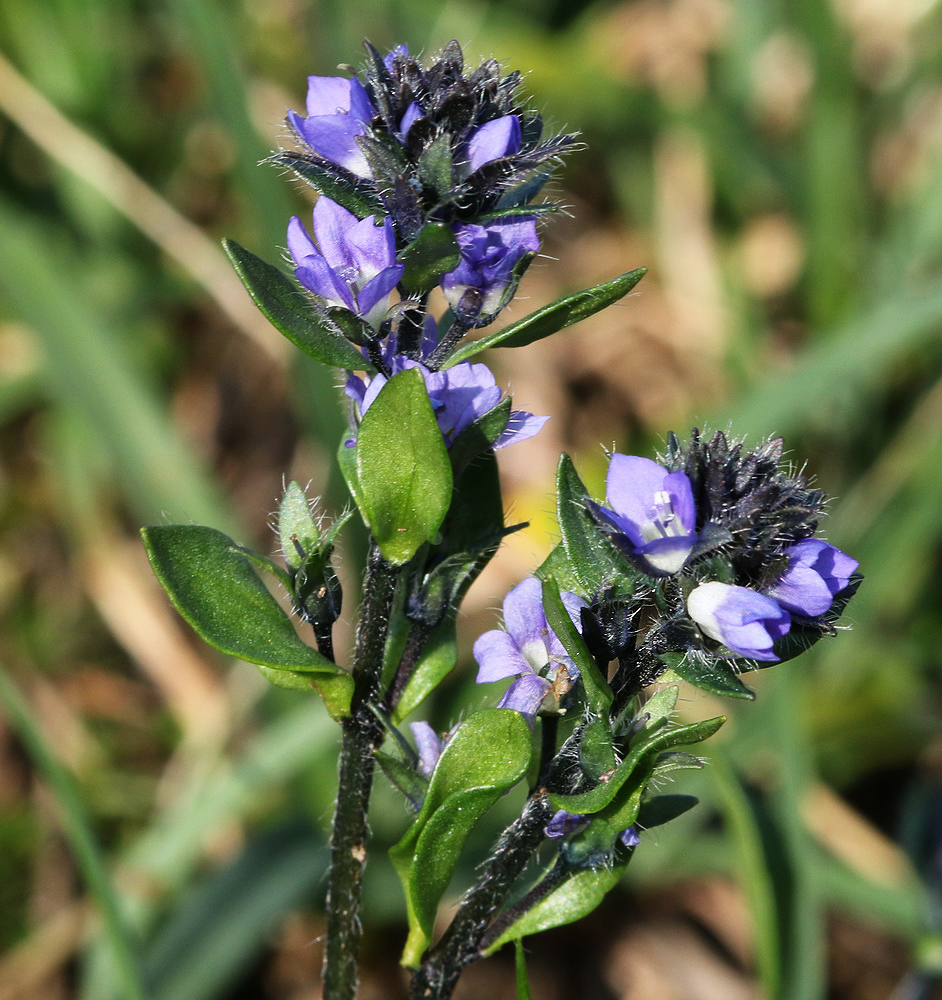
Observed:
{"x":433,"y":143}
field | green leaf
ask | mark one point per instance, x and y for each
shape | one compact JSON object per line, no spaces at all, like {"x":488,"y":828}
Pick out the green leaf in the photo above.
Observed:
{"x":430,"y":255}
{"x":290,"y":312}
{"x":598,"y":693}
{"x":403,"y":469}
{"x":488,"y":754}
{"x":347,"y":461}
{"x":594,"y":560}
{"x":558,"y":566}
{"x":661,"y":809}
{"x":577,"y":897}
{"x":659,"y":707}
{"x":403,"y":776}
{"x":708,"y":674}
{"x":436,"y":662}
{"x":362,"y":201}
{"x":213,"y":585}
{"x":554,"y":317}
{"x":647,"y":746}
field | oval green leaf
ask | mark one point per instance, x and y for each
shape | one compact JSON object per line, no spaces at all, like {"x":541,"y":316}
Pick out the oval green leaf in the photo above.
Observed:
{"x":289,"y":312}
{"x":648,"y":743}
{"x":577,"y":897}
{"x":489,"y":753}
{"x":402,"y":468}
{"x":213,"y":585}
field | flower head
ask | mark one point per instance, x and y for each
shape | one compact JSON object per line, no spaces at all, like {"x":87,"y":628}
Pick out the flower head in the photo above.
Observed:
{"x":425,"y":138}
{"x":352,"y":264}
{"x":460,"y":395}
{"x":476,"y":288}
{"x":743,"y":620}
{"x":528,"y":650}
{"x":652,"y":513}
{"x":816,"y":572}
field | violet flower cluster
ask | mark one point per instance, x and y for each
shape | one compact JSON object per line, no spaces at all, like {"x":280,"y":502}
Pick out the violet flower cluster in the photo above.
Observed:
{"x":411,"y":156}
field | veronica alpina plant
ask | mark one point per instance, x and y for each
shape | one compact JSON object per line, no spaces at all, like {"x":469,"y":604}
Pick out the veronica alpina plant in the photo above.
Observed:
{"x":700,"y":566}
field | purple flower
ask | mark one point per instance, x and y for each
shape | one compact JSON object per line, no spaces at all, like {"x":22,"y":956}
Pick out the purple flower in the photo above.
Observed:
{"x":564,"y":823}
{"x":338,"y":111}
{"x":352,"y":264}
{"x":489,"y":253}
{"x":743,"y":620}
{"x":528,"y":650}
{"x":493,"y":140}
{"x":460,"y":395}
{"x":429,"y":745}
{"x":816,"y":572}
{"x":652,"y":513}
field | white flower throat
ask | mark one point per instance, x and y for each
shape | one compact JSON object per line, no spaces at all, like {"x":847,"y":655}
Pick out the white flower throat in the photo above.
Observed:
{"x":662,"y":520}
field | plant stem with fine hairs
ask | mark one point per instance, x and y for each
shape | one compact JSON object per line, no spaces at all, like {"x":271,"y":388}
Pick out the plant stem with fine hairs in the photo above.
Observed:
{"x":362,"y":732}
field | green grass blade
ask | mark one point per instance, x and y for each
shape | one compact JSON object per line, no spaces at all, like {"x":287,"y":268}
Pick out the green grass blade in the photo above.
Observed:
{"x":752,"y":872}
{"x":90,"y":372}
{"x":843,"y":368}
{"x":169,"y":851}
{"x":225,"y":923}
{"x":78,"y":831}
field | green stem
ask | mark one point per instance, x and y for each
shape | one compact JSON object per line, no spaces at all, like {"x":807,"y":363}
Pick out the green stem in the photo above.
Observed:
{"x":362,"y":733}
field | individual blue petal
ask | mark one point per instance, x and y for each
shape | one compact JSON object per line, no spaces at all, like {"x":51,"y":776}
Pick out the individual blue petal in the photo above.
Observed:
{"x":816,"y":572}
{"x":492,"y":141}
{"x":525,"y":619}
{"x":526,"y":695}
{"x":520,"y":427}
{"x":300,"y":244}
{"x":332,"y":226}
{"x":372,"y":298}
{"x":318,"y":277}
{"x":372,"y":247}
{"x":331,"y":95}
{"x":334,"y":137}
{"x":355,"y":389}
{"x":743,"y":620}
{"x":429,"y":746}
{"x":498,"y":657}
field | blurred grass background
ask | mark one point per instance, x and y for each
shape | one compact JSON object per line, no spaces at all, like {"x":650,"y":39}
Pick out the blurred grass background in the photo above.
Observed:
{"x":776,"y":165}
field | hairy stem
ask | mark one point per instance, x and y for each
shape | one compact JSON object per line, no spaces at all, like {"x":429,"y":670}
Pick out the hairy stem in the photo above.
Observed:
{"x":362,"y":733}
{"x":461,"y":944}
